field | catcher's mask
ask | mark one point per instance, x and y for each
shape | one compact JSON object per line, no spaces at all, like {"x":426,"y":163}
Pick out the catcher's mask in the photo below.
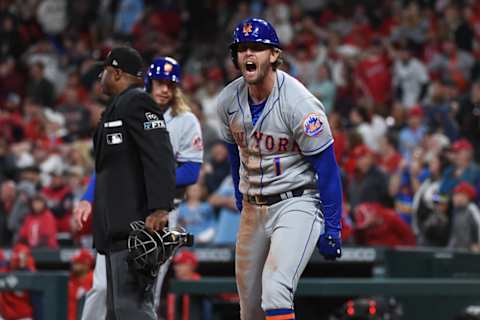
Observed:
{"x":148,"y":250}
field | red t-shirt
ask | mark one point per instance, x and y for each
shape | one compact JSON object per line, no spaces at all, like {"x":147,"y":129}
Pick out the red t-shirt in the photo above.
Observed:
{"x":15,"y":305}
{"x":77,"y":288}
{"x":39,"y":230}
{"x":391,"y":163}
{"x":373,"y":71}
{"x":390,"y":231}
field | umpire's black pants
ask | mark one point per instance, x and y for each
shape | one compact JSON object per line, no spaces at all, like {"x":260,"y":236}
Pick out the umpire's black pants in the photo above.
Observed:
{"x":126,"y":298}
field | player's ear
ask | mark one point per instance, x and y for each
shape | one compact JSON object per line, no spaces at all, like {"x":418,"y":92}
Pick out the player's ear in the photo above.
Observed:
{"x":117,"y":73}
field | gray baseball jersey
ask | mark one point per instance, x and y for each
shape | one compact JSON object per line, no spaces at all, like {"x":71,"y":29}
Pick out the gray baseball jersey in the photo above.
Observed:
{"x":292,"y":124}
{"x":185,"y":136}
{"x":275,"y":242}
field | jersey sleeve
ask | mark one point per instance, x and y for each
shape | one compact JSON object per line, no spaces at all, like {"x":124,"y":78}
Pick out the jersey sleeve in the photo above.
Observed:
{"x":310,"y":127}
{"x":222,"y":111}
{"x":90,"y":192}
{"x":191,"y":141}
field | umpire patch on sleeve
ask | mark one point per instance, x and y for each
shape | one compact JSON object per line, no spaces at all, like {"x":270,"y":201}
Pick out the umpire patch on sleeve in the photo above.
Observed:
{"x":155,"y":124}
{"x":312,"y":126}
{"x":114,"y":138}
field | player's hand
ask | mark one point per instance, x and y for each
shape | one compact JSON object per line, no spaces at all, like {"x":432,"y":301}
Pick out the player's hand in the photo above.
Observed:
{"x":81,"y":212}
{"x":157,"y":220}
{"x":330,"y":245}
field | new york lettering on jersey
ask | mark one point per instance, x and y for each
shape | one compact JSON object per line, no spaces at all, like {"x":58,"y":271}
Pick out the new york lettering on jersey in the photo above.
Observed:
{"x":291,"y":125}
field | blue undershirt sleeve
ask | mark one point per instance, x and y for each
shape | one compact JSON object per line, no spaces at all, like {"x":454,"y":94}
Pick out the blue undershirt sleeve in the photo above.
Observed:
{"x":330,"y":188}
{"x":187,"y":173}
{"x":234,"y":157}
{"x":90,"y":192}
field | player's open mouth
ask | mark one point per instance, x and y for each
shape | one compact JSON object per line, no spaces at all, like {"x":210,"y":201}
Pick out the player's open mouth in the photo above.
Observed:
{"x":250,"y":66}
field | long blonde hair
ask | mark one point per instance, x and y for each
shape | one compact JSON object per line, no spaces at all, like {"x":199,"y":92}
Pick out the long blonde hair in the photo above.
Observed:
{"x":180,"y":102}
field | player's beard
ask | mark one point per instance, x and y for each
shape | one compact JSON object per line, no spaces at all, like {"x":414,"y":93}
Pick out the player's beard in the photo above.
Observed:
{"x":261,"y":73}
{"x":162,"y":101}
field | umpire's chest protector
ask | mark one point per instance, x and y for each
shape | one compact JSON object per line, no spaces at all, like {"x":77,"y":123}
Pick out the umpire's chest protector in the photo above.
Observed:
{"x":132,"y":153}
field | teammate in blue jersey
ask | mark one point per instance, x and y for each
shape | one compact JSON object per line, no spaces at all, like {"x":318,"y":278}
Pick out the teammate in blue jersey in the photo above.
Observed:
{"x":286,"y":178}
{"x":163,"y":83}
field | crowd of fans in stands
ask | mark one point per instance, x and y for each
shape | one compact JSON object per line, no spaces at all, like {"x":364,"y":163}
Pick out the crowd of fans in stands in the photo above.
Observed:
{"x":400,"y":81}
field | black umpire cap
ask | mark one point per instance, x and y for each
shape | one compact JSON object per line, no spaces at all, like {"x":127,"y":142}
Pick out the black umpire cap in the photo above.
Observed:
{"x":126,"y":59}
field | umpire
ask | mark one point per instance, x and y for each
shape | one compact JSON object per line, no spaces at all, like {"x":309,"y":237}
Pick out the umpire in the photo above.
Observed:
{"x":135,"y":172}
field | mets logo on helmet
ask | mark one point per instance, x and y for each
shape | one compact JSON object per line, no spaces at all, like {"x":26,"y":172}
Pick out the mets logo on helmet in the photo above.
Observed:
{"x":167,"y":68}
{"x":312,"y":126}
{"x":247,"y":28}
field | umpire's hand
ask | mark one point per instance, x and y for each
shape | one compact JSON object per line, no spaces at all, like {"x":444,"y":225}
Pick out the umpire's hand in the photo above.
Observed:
{"x":81,"y":212}
{"x":157,"y":220}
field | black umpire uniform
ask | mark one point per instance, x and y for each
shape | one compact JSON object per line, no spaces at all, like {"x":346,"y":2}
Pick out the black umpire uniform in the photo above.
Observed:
{"x":135,"y":175}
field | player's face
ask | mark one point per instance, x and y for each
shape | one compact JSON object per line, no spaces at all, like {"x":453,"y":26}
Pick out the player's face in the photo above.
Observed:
{"x":254,"y":61}
{"x":162,"y":92}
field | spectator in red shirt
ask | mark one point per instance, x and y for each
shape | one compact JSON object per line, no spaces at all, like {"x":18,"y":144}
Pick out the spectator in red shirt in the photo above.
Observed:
{"x":81,"y":279}
{"x":185,"y":264}
{"x":390,"y":160}
{"x":39,"y":228}
{"x":374,"y":76}
{"x":34,"y":121}
{"x":376,"y":225}
{"x":16,"y":305}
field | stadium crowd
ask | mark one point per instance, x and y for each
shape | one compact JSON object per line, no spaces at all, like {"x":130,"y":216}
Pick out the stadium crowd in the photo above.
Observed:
{"x":400,"y":81}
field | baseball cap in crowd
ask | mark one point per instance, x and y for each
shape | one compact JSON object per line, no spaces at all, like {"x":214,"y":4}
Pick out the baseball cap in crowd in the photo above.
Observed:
{"x":416,"y":111}
{"x":466,"y":188}
{"x":84,"y":257}
{"x":126,"y":59}
{"x":186,"y":257}
{"x":462,"y":144}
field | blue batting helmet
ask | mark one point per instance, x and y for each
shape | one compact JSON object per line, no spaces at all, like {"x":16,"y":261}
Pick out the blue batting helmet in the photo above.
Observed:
{"x":162,"y":68}
{"x":253,"y":30}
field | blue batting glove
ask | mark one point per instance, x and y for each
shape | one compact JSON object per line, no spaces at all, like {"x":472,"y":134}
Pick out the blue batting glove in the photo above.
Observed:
{"x":330,"y":245}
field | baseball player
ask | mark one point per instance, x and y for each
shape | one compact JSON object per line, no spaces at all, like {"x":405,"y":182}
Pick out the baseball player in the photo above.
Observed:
{"x":162,"y":81}
{"x":286,"y":178}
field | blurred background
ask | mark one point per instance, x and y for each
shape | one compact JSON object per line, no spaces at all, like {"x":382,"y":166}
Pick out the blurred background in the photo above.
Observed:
{"x":400,"y":82}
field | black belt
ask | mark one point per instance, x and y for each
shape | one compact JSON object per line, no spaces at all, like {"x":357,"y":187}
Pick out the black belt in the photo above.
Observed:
{"x":274,"y":198}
